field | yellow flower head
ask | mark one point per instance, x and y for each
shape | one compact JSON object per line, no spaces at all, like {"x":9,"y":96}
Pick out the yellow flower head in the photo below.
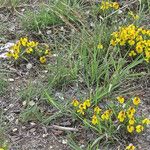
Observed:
{"x":131,"y":121}
{"x":75,"y":103}
{"x":130,"y":147}
{"x":146,"y":121}
{"x":82,"y":106}
{"x":46,"y":52}
{"x":139,"y":128}
{"x":100,"y":46}
{"x":42,"y":59}
{"x":1,"y":149}
{"x":139,"y":48}
{"x":130,"y":112}
{"x":121,"y":116}
{"x":106,"y":115}
{"x":29,"y":50}
{"x":105,"y":5}
{"x":24,"y":41}
{"x":136,"y":101}
{"x":120,"y":99}
{"x":97,"y":110}
{"x":132,"y":53}
{"x":131,"y":42}
{"x":87,"y":103}
{"x":134,"y":16}
{"x":80,"y":111}
{"x":15,"y":55}
{"x":9,"y":54}
{"x":115,"y":5}
{"x":32,"y":44}
{"x":94,"y":120}
{"x":130,"y":128}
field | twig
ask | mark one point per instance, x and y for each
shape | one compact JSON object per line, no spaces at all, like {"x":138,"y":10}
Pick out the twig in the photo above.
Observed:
{"x":64,"y":128}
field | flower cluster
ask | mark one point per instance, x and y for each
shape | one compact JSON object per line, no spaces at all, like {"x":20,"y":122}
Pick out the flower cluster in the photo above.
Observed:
{"x":81,"y":107}
{"x":130,"y":147}
{"x":134,"y":16}
{"x":107,"y":5}
{"x":128,"y":117}
{"x":25,"y":49}
{"x":124,"y":114}
{"x":134,"y":38}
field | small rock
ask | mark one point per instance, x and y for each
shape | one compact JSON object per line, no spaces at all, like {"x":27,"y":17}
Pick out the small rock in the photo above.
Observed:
{"x":32,"y":130}
{"x":17,"y":121}
{"x":51,"y":147}
{"x":148,"y":138}
{"x":31,"y":103}
{"x":65,"y":141}
{"x":14,"y":130}
{"x":23,"y":127}
{"x":11,"y":105}
{"x":32,"y":123}
{"x":62,"y":28}
{"x":49,"y":32}
{"x":11,"y":80}
{"x":45,"y":135}
{"x":29,"y":66}
{"x":24,"y":103}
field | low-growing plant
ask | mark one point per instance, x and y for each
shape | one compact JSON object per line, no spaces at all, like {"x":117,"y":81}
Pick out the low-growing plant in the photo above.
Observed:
{"x":115,"y":119}
{"x":133,"y":39}
{"x":26,"y":50}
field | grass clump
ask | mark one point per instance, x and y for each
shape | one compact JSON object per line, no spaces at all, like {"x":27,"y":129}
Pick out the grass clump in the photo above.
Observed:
{"x":53,"y":13}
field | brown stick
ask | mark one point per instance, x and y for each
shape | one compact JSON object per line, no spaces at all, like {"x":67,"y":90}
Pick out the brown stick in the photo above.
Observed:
{"x":64,"y":128}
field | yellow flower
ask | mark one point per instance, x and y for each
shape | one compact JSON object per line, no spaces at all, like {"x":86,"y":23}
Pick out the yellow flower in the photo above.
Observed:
{"x":136,"y":101}
{"x":135,"y":17}
{"x":42,"y":59}
{"x":120,"y":99}
{"x":105,"y":5}
{"x":9,"y":54}
{"x":46,"y":52}
{"x":24,"y":41}
{"x":132,"y":53}
{"x":82,"y":106}
{"x":130,"y":112}
{"x":100,"y":46}
{"x":115,"y":5}
{"x":106,"y":115}
{"x":147,"y":54}
{"x":131,"y":42}
{"x":139,"y":128}
{"x":130,"y":147}
{"x":97,"y":110}
{"x":131,"y":121}
{"x":122,"y":43}
{"x":75,"y":102}
{"x":94,"y":120}
{"x":29,"y":50}
{"x":139,"y":48}
{"x":87,"y":103}
{"x":15,"y":55}
{"x":139,"y":38}
{"x":121,"y":116}
{"x":146,"y":121}
{"x":113,"y":42}
{"x":130,"y":128}
{"x":1,"y":149}
{"x":80,"y":111}
{"x":32,"y":44}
